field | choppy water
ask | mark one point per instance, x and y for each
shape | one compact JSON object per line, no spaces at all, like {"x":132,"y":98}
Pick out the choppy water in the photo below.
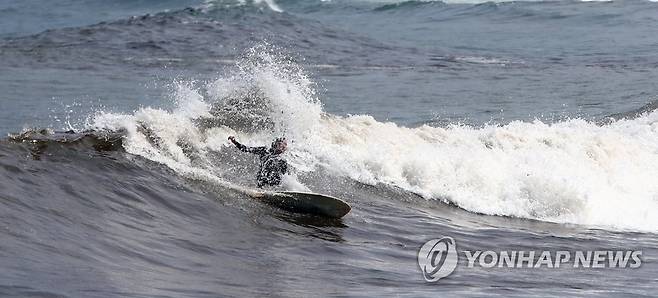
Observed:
{"x":507,"y":126}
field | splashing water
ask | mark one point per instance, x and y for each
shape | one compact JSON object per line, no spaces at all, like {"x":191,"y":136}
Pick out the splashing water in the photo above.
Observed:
{"x":266,"y":96}
{"x":573,"y":171}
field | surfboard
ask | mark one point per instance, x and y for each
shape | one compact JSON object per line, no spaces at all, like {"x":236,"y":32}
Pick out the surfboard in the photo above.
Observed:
{"x":303,"y":202}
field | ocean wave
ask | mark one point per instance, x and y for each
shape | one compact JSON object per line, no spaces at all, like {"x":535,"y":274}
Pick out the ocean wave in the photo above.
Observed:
{"x":195,"y":36}
{"x":412,"y":4}
{"x":268,"y":4}
{"x":505,"y":10}
{"x":573,"y":171}
{"x":40,"y":139}
{"x":402,"y":4}
{"x":31,"y":16}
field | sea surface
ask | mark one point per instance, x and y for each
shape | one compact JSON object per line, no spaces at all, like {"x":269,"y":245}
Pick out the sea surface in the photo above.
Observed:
{"x":507,"y":126}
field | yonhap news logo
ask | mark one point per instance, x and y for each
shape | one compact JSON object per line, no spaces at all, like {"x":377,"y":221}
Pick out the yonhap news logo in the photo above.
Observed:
{"x":438,"y":258}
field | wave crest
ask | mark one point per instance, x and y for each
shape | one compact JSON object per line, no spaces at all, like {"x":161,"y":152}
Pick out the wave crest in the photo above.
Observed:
{"x":573,"y":171}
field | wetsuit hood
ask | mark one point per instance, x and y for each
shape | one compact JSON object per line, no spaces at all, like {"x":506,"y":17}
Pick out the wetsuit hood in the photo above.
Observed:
{"x":275,"y":144}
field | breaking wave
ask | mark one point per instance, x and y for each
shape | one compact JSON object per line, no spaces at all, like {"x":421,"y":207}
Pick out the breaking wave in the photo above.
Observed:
{"x":574,"y":171}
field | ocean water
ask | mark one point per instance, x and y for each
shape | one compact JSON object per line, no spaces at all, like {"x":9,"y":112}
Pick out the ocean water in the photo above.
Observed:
{"x":508,"y":126}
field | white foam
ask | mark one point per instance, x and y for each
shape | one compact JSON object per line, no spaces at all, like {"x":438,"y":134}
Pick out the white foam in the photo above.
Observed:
{"x":569,"y":172}
{"x":572,"y":171}
{"x":223,"y":3}
{"x":482,"y":60}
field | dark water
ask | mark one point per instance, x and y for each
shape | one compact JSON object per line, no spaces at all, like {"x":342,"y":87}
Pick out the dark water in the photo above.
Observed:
{"x":506,"y":126}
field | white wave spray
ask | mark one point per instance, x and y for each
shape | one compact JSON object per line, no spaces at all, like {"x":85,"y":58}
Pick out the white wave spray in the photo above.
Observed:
{"x":573,"y":171}
{"x":570,"y":172}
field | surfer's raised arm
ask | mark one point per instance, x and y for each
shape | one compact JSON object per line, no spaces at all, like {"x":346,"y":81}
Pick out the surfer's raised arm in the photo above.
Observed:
{"x":243,"y":148}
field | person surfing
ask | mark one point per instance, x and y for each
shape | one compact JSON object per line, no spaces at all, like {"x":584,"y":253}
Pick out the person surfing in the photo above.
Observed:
{"x":272,"y":166}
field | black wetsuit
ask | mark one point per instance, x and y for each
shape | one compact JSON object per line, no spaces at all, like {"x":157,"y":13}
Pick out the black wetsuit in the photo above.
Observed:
{"x":272,"y":166}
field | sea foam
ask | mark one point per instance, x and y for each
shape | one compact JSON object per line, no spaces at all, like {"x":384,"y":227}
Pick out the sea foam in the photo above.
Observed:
{"x":573,"y":171}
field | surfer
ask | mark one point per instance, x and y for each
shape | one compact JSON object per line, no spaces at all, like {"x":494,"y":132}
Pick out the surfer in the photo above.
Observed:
{"x":272,"y":166}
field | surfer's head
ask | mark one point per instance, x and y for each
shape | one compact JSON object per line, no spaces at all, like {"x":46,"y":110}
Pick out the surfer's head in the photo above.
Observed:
{"x":279,"y":145}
